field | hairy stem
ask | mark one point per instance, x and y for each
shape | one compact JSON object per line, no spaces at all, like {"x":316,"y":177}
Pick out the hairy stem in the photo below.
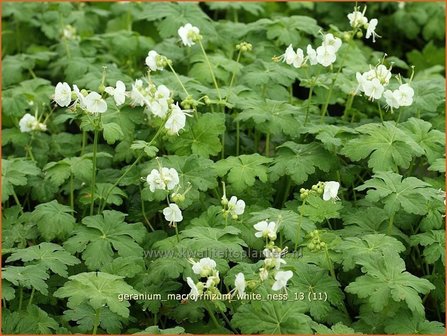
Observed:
{"x":211,"y":71}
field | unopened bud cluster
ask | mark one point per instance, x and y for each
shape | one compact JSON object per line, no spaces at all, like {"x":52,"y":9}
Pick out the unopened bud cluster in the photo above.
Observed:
{"x":315,"y":244}
{"x":244,"y":47}
{"x":317,"y":189}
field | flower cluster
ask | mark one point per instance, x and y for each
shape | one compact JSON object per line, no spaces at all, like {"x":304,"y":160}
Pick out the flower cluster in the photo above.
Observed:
{"x":315,"y":244}
{"x":329,"y":190}
{"x":325,"y":54}
{"x":189,"y":34}
{"x":165,"y":178}
{"x":91,"y":102}
{"x":232,"y":207}
{"x":373,"y":83}
{"x":158,"y":101}
{"x":273,"y":256}
{"x":155,"y":61}
{"x":30,"y":123}
{"x":358,"y":20}
{"x":204,"y":268}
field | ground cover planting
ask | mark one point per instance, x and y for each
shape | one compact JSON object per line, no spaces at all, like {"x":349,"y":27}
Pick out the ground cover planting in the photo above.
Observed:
{"x":223,"y":168}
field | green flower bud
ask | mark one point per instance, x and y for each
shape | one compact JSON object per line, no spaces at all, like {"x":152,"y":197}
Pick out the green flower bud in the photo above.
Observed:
{"x":101,"y":88}
{"x":311,"y":246}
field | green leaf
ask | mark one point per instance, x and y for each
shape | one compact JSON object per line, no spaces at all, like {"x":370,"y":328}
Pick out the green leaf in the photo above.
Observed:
{"x":59,"y":172}
{"x":274,"y":117}
{"x":432,"y":141}
{"x":438,"y":165}
{"x":206,"y":239}
{"x":53,"y":220}
{"x":103,"y":235}
{"x":149,"y":150}
{"x":49,"y":255}
{"x":300,"y":160}
{"x":114,"y":194}
{"x":243,"y":170}
{"x":337,"y":329}
{"x":127,"y":267}
{"x":155,"y":330}
{"x":84,"y":316}
{"x":409,"y":194}
{"x":112,"y":132}
{"x":33,"y":320}
{"x":271,"y":317}
{"x":412,"y":324}
{"x":434,"y":245}
{"x":294,"y":226}
{"x":387,"y":279}
{"x":201,"y":137}
{"x":15,"y":173}
{"x":374,"y":245}
{"x":387,"y":147}
{"x":98,"y":289}
{"x":31,"y":276}
{"x":319,"y":210}
{"x":16,"y":229}
{"x":313,"y":278}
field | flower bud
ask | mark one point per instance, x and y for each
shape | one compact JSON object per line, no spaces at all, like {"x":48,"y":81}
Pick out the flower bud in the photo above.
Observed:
{"x":101,"y":88}
{"x":234,"y":216}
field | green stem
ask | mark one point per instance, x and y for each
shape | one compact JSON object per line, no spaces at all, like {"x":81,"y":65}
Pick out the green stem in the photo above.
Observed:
{"x":92,"y":189}
{"x":390,"y":224}
{"x":211,"y":71}
{"x":238,"y":137}
{"x":229,"y":323}
{"x":233,"y":76}
{"x":222,"y":153}
{"x":20,"y":297}
{"x":329,"y":261}
{"x":31,"y":297}
{"x":176,"y":233}
{"x":178,"y":78}
{"x":380,"y":112}
{"x":71,"y":192}
{"x":16,"y":199}
{"x":309,"y":100}
{"x":130,"y":168}
{"x":267,"y":144}
{"x":84,"y":141}
{"x":399,"y":115}
{"x":143,"y":211}
{"x":97,"y":320}
{"x":287,"y":190}
{"x":213,"y":317}
{"x":348,"y":106}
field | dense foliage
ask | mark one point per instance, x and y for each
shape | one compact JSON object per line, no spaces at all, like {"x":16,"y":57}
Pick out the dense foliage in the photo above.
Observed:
{"x":274,"y":167}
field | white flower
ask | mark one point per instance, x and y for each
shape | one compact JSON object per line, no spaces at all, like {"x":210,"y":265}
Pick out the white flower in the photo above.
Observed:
{"x":118,"y":93}
{"x":330,"y":41}
{"x":357,"y":19}
{"x":294,"y":58}
{"x":159,"y":104}
{"x":169,"y":177}
{"x":263,"y":274}
{"x":265,"y":230}
{"x":204,"y":267}
{"x":361,"y":79}
{"x":152,"y":61}
{"x":326,"y":55}
{"x":392,"y":98}
{"x":166,"y":178}
{"x":373,"y":89}
{"x":138,"y":99}
{"x":155,"y":181}
{"x":330,"y":190}
{"x":371,"y":30}
{"x":383,"y":74}
{"x":212,"y":280}
{"x":189,"y":34}
{"x":239,"y":284}
{"x":281,"y":280}
{"x":172,"y":213}
{"x":80,"y":97}
{"x":62,"y":94}
{"x":27,"y":123}
{"x":235,"y":206}
{"x":405,"y":95}
{"x":176,"y":120}
{"x":273,"y":258}
{"x":312,"y":55}
{"x":94,"y":103}
{"x":194,"y":293}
